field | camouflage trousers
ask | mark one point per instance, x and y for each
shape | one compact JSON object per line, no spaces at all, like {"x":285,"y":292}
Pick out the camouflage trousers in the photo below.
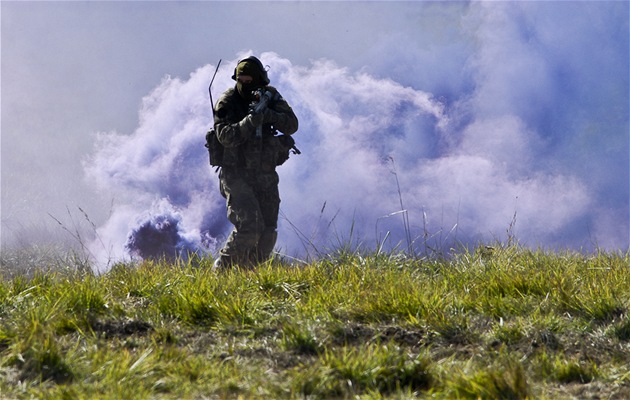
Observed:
{"x":253,"y":202}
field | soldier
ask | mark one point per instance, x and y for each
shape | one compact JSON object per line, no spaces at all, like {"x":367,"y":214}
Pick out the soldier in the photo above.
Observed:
{"x":251,"y":151}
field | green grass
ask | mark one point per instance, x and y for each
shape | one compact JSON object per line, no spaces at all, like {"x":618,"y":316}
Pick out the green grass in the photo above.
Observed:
{"x":496,"y":323}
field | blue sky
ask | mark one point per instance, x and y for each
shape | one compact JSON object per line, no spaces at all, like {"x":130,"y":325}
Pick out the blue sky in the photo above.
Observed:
{"x":489,"y":110}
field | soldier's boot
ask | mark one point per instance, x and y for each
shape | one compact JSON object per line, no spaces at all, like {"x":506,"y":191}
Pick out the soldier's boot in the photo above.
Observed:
{"x":266,"y":243}
{"x":238,"y":251}
{"x":222,"y":263}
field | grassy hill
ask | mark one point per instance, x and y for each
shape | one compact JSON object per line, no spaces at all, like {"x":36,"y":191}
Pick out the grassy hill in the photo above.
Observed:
{"x":501,"y":322}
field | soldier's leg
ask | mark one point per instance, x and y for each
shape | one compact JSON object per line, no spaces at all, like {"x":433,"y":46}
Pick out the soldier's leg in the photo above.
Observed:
{"x":244,"y":213}
{"x":269,"y":200}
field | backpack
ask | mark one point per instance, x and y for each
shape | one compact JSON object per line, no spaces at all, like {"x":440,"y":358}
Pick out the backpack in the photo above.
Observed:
{"x":287,"y":146}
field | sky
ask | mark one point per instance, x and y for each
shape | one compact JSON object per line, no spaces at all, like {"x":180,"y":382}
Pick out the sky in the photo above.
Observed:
{"x":423,"y":125}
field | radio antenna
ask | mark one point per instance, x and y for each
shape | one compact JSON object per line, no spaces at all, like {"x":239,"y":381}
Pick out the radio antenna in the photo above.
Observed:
{"x":210,"y":87}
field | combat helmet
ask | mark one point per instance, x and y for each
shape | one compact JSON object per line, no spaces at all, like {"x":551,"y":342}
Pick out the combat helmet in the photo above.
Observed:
{"x":254,"y":68}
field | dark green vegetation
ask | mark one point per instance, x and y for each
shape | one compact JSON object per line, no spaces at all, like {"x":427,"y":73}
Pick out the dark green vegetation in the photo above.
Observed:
{"x":498,"y":323}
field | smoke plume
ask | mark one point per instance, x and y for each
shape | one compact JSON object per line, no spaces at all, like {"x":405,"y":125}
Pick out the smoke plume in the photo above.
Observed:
{"x":528,"y":148}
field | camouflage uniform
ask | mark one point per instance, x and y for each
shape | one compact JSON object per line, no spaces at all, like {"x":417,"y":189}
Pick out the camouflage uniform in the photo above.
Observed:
{"x":248,"y":179}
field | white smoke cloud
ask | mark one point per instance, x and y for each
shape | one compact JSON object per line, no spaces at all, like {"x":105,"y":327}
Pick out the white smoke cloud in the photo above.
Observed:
{"x":349,"y":135}
{"x":159,"y":175}
{"x":512,"y":143}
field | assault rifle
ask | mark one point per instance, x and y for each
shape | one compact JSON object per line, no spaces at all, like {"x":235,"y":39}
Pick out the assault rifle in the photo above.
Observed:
{"x":264,"y":97}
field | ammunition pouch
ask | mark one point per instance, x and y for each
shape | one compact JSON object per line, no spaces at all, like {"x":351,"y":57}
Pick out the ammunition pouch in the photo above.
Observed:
{"x":215,"y":149}
{"x":275,"y":151}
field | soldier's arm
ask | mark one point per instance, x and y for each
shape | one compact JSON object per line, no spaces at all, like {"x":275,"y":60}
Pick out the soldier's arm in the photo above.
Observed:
{"x":232,"y":132}
{"x":284,"y":119}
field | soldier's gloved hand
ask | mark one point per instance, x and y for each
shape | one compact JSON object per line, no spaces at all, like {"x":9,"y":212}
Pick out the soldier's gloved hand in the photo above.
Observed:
{"x":248,"y":125}
{"x":257,"y":119}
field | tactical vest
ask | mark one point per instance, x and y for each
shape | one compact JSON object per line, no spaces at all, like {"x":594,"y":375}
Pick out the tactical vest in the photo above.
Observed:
{"x":262,"y":154}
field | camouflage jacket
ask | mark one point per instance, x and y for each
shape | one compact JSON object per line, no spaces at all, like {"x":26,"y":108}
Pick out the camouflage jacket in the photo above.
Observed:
{"x":241,"y":147}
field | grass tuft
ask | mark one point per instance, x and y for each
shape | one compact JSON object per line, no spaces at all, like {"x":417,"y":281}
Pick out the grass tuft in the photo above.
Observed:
{"x":349,"y":372}
{"x":504,"y":379}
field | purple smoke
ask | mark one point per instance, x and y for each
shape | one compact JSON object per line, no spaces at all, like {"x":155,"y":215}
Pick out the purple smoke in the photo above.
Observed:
{"x":158,"y":237}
